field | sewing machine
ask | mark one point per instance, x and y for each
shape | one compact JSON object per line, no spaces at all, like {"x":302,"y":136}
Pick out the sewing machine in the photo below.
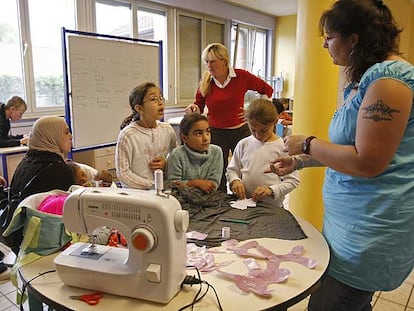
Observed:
{"x":154,"y":225}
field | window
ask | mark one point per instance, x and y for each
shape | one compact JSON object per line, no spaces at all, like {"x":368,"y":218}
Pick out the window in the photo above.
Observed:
{"x":47,"y":46}
{"x":249,"y":46}
{"x":152,"y":25}
{"x":189,"y":57}
{"x":31,"y":44}
{"x":11,"y":67}
{"x":113,"y":18}
{"x":191,"y":42}
{"x":32,"y":56}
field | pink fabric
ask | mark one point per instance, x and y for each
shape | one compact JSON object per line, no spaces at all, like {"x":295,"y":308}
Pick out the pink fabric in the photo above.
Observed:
{"x":53,"y":204}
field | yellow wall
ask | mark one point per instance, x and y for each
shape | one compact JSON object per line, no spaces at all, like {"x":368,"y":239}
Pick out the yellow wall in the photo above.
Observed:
{"x":403,"y":12}
{"x":285,"y":40}
{"x":285,"y":47}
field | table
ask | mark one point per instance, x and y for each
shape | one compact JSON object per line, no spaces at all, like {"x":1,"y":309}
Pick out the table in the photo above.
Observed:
{"x":49,"y":289}
{"x":10,"y":158}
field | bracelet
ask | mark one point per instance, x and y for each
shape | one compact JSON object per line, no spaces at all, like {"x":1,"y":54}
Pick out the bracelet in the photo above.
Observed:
{"x":306,"y":145}
{"x":301,"y":163}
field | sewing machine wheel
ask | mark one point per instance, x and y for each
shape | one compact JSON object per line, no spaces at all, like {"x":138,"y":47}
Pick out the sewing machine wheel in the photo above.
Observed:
{"x":144,"y":239}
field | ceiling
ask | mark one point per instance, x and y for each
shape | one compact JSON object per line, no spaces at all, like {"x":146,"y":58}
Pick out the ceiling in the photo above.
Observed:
{"x":272,"y":7}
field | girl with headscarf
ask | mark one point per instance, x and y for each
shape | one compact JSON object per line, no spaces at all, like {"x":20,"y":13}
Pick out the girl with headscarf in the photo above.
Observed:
{"x":49,"y":142}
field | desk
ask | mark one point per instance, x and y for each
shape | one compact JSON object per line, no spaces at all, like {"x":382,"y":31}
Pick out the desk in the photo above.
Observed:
{"x":10,"y":158}
{"x":302,"y":281}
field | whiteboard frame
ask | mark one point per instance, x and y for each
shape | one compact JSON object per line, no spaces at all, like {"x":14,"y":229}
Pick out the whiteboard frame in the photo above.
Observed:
{"x":65,"y":33}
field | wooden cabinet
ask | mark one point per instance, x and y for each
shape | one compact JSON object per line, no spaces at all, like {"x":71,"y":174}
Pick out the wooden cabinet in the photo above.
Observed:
{"x":101,"y":158}
{"x":10,"y":159}
{"x":12,"y":162}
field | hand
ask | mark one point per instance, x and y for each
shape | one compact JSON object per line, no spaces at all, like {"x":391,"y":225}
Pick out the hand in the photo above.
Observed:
{"x":282,"y":166}
{"x":24,"y":141}
{"x":3,"y":181}
{"x":238,"y":188}
{"x":157,"y":163}
{"x":241,"y":115}
{"x":293,"y":144}
{"x":207,"y":186}
{"x":192,"y":108}
{"x":260,"y":193}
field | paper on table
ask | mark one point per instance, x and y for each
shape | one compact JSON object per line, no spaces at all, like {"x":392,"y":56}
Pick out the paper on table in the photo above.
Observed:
{"x":243,"y":204}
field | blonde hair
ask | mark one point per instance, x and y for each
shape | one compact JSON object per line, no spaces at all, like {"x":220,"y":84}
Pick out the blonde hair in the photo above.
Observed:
{"x":262,"y":111}
{"x":219,"y":51}
{"x":17,"y":102}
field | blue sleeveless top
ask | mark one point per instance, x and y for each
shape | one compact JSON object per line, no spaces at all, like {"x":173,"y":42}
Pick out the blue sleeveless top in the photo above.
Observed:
{"x":369,"y":222}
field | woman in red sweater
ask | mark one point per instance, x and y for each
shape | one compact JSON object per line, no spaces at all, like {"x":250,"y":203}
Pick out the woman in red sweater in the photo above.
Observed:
{"x":222,"y":90}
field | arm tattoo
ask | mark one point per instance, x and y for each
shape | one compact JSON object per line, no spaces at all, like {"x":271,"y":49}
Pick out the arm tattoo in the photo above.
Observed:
{"x":378,"y":112}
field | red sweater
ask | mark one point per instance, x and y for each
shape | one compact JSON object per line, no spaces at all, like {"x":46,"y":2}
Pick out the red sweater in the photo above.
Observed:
{"x":224,"y":105}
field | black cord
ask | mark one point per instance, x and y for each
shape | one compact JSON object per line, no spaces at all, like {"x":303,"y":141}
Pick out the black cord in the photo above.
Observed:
{"x":28,"y":283}
{"x":191,"y":280}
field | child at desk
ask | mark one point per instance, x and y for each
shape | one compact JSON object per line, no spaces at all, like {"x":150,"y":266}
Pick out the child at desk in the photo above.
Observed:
{"x":196,"y":163}
{"x":12,"y":110}
{"x":144,"y":142}
{"x":252,"y":155}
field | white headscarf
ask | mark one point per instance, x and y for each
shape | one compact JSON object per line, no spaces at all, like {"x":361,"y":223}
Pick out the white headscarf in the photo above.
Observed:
{"x":47,"y":134}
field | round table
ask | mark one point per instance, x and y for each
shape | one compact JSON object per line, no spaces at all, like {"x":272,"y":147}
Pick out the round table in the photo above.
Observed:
{"x":49,"y":289}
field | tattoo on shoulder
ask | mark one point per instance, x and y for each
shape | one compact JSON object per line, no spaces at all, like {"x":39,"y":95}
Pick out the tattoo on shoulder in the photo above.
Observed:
{"x":379,"y":111}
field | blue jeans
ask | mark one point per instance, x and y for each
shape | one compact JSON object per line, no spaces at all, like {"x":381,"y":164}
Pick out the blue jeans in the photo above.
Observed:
{"x":333,"y":295}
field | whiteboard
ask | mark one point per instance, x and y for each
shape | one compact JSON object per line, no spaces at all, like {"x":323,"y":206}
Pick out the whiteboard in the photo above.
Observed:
{"x":101,"y":74}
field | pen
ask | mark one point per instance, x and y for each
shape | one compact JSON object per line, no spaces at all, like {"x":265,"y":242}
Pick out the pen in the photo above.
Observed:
{"x":236,"y":221}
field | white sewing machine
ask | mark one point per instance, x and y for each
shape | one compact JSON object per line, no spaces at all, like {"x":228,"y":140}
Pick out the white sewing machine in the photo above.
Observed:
{"x":153,"y":266}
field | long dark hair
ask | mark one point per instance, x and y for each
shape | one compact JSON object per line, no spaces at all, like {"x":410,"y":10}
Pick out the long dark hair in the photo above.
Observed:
{"x":372,"y":21}
{"x":136,"y":97}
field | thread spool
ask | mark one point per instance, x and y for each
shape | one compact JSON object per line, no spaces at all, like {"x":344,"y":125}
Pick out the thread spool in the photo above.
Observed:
{"x":225,"y":232}
{"x":159,"y":180}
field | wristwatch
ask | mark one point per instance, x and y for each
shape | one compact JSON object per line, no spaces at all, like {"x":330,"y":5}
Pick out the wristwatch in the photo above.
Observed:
{"x":306,"y":145}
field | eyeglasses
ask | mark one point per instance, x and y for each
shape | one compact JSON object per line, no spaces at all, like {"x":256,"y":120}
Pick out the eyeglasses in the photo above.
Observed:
{"x":155,"y":100}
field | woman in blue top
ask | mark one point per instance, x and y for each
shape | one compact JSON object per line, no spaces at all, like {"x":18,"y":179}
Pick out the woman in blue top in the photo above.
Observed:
{"x":369,"y":183}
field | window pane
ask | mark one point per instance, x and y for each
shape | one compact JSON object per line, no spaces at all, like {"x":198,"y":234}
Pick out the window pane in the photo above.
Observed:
{"x":113,"y":18}
{"x":11,"y":73}
{"x":152,"y":25}
{"x":214,"y":32}
{"x":259,"y":54}
{"x":47,"y":48}
{"x":242,"y":49}
{"x":190,"y":57}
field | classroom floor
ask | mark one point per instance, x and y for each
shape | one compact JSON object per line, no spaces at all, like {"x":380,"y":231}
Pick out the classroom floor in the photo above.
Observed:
{"x":400,"y":299}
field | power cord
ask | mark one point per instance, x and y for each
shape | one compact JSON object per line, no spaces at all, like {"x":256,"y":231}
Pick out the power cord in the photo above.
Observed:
{"x":192,"y":280}
{"x":28,"y":283}
{"x":188,"y":280}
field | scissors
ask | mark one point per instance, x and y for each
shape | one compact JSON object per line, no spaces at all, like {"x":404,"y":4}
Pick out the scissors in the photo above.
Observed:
{"x":91,"y":299}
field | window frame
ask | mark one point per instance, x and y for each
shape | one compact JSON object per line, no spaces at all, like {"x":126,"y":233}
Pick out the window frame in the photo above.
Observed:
{"x":183,"y":102}
{"x":85,"y":20}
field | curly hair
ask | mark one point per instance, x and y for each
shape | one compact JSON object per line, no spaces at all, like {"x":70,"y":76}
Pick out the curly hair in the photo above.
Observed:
{"x":372,"y":21}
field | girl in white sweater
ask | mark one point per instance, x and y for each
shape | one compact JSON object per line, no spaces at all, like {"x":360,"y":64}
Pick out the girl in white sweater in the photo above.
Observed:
{"x":144,"y":142}
{"x":252,"y":155}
